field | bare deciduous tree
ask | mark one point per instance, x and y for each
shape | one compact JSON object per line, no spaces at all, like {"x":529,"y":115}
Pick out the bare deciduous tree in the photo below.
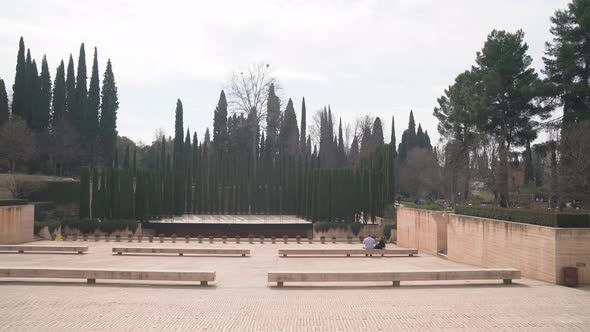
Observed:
{"x":17,"y":142}
{"x":248,"y":90}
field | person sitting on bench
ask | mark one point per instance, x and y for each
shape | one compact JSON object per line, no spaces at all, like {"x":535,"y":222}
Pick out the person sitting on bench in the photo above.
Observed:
{"x":369,"y":243}
{"x":380,"y":244}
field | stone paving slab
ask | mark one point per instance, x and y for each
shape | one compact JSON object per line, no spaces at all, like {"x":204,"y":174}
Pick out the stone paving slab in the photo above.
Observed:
{"x":240,"y":299}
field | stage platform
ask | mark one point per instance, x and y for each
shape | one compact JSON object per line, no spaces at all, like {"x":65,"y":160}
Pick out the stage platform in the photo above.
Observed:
{"x":231,"y":225}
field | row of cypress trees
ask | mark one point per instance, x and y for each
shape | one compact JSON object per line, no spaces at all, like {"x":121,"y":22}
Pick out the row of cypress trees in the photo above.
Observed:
{"x":282,"y":175}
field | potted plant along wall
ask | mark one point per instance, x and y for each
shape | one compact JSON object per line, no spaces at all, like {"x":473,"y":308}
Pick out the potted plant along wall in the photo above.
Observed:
{"x":96,"y":237}
{"x":130,"y":238}
{"x":211,"y":238}
{"x":251,"y":239}
{"x":224,"y":239}
{"x":310,"y":240}
{"x":333,"y":240}
{"x":161,"y":236}
{"x":187,"y":238}
{"x":298,"y":239}
{"x":322,"y":239}
{"x":237,"y":239}
{"x":151,"y":238}
{"x":173,"y":238}
{"x":139,"y":237}
{"x":261,"y":239}
{"x":273,"y":239}
{"x":285,"y":239}
{"x":200,"y":238}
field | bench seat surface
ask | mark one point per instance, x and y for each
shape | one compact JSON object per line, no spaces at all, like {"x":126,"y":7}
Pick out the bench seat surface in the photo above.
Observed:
{"x":155,"y":250}
{"x":84,"y":273}
{"x":396,"y":251}
{"x":42,"y":248}
{"x":446,"y":274}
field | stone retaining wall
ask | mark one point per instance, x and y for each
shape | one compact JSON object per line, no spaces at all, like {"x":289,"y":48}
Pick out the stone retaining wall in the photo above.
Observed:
{"x":540,"y":252}
{"x":422,"y":229}
{"x":16,"y":224}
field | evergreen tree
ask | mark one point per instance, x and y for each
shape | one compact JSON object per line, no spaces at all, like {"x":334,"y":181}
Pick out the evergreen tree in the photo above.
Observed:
{"x":341,"y":151}
{"x":509,"y":87}
{"x":4,"y":114}
{"x":81,"y":96}
{"x":354,"y":150}
{"x":32,"y":91}
{"x":70,"y":90}
{"x":108,"y":114}
{"x":85,"y":193}
{"x":392,"y":139}
{"x":273,"y":116}
{"x":220,"y":124}
{"x":566,"y":61}
{"x":91,"y":121}
{"x":303,"y":127}
{"x":377,"y":132}
{"x":19,"y":96}
{"x":59,"y":97}
{"x":289,"y":133}
{"x":41,"y":120}
{"x":178,"y":136}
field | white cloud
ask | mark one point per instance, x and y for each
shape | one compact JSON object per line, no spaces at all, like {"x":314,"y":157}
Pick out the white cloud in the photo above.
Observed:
{"x":383,"y":57}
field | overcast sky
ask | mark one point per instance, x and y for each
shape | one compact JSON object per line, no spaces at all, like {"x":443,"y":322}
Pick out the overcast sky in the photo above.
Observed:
{"x":379,"y":57}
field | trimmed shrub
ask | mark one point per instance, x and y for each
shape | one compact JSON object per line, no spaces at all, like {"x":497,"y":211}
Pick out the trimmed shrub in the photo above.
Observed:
{"x":387,"y":231}
{"x":9,"y":202}
{"x":542,"y":218}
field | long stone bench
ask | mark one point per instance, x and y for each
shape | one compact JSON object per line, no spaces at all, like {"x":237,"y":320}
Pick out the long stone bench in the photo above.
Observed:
{"x":36,"y":248}
{"x":180,"y":251}
{"x":92,"y":274}
{"x":348,"y":252}
{"x":396,"y":276}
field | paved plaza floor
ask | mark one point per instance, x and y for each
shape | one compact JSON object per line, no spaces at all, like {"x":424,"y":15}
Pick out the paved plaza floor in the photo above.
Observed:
{"x":242,"y":300}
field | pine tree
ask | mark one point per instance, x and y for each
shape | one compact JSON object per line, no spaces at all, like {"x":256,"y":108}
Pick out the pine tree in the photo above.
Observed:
{"x":91,"y":121}
{"x":566,"y":61}
{"x":19,"y":95}
{"x":108,"y":116}
{"x":59,"y":97}
{"x":41,"y":120}
{"x":81,"y":96}
{"x":4,"y":114}
{"x":70,"y":90}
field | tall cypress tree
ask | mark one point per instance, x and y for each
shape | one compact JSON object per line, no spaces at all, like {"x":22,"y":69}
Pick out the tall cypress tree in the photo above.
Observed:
{"x":273,"y":117}
{"x":220,"y":124}
{"x":289,"y":134}
{"x":59,"y":97}
{"x":70,"y":90}
{"x":91,"y":120}
{"x":19,"y":88}
{"x":44,"y":104}
{"x":3,"y":103}
{"x":303,"y":127}
{"x":81,"y":95}
{"x":377,"y":134}
{"x":108,"y":116}
{"x":392,"y":141}
{"x":178,"y":136}
{"x":33,"y":115}
{"x":341,"y":152}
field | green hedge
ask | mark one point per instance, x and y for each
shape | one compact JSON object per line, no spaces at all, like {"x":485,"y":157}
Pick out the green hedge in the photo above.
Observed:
{"x":9,"y":202}
{"x":57,"y":191}
{"x":324,"y":226}
{"x":88,"y":226}
{"x":560,"y":219}
{"x":426,"y":206}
